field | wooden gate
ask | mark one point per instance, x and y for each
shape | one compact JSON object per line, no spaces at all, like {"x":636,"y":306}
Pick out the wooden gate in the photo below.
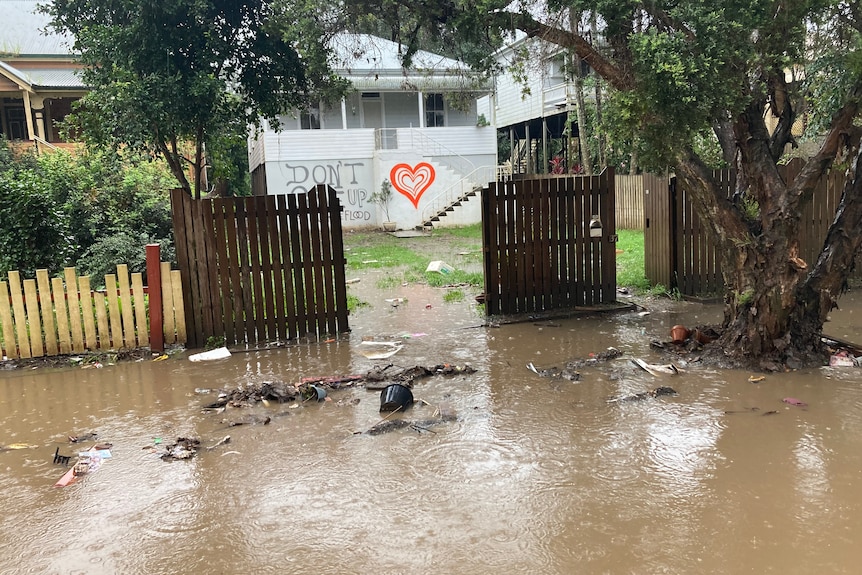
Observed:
{"x":549,"y":243}
{"x":263,"y":268}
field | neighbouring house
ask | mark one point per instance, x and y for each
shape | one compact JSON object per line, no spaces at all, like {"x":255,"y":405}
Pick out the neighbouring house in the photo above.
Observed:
{"x":397,"y":125}
{"x":39,"y":77}
{"x":535,"y":111}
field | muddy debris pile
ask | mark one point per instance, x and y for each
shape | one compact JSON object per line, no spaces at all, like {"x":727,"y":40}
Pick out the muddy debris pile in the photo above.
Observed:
{"x":185,"y":448}
{"x":252,"y":394}
{"x":444,"y":413}
{"x":570,"y":370}
{"x":318,"y":387}
{"x":380,"y":377}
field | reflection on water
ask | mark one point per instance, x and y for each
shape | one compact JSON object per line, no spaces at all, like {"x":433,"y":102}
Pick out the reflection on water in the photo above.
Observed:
{"x":536,"y":476}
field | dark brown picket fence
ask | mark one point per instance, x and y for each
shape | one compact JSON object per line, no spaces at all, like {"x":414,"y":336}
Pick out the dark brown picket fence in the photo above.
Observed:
{"x":261,"y":269}
{"x":549,"y":243}
{"x":679,"y":250}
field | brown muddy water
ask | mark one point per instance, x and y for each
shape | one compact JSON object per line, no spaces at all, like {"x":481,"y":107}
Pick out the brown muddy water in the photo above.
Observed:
{"x":536,"y":475}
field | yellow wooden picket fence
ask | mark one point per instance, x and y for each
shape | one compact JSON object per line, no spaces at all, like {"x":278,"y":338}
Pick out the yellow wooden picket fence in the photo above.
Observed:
{"x":56,"y":316}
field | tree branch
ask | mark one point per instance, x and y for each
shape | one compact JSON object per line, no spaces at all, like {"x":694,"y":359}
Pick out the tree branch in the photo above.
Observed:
{"x":663,"y":17}
{"x":781,"y":106}
{"x":835,"y":263}
{"x":565,"y":39}
{"x":842,"y":123}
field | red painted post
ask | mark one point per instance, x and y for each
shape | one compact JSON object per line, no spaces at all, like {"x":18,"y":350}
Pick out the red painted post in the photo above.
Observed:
{"x":154,"y":284}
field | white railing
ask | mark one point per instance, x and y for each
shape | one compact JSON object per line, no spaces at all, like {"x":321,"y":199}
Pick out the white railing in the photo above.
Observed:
{"x":460,"y":190}
{"x":418,"y":141}
{"x":43,"y":142}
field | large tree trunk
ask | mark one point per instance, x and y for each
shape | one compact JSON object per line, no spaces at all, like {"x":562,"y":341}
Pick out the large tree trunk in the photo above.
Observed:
{"x":776,"y":303}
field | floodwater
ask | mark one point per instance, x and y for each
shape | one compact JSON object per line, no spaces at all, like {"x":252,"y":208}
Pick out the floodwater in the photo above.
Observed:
{"x":536,"y":475}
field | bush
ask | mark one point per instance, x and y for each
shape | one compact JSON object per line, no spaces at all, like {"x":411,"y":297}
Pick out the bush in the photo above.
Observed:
{"x":92,"y":210}
{"x":33,"y":228}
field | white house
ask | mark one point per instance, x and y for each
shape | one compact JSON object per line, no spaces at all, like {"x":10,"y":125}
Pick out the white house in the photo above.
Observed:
{"x":398,"y":125}
{"x":535,"y":110}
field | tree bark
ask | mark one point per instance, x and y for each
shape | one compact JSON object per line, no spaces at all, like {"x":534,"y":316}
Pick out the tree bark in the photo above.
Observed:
{"x":583,"y":131}
{"x":174,"y":164}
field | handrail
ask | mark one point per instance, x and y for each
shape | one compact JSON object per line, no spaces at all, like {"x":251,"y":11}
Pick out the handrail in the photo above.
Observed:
{"x":44,"y":142}
{"x":478,"y":178}
{"x":419,"y":141}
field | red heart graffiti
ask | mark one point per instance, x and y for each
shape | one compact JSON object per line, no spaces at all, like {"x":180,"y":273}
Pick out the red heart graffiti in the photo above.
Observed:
{"x":412,"y":181}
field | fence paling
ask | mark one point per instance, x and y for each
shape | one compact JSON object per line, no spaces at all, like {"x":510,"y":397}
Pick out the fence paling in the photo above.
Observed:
{"x":538,"y":251}
{"x":61,"y":315}
{"x":681,"y":252}
{"x":273,"y":265}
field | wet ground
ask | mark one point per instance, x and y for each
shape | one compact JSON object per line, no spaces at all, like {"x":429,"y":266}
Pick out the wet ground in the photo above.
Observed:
{"x":536,"y":475}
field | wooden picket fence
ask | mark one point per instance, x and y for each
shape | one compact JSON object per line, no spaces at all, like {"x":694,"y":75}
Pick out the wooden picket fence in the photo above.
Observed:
{"x":62,"y":315}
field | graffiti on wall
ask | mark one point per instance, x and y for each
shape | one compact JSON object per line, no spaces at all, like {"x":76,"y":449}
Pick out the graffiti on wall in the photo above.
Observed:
{"x":412,"y":181}
{"x":348,"y":179}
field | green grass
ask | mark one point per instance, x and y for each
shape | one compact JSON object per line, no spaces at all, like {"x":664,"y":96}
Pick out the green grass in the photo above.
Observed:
{"x":453,"y":296}
{"x":354,"y":303}
{"x":458,"y":277}
{"x":377,"y":250}
{"x":385,"y":255}
{"x":630,"y":262}
{"x":473,"y":232}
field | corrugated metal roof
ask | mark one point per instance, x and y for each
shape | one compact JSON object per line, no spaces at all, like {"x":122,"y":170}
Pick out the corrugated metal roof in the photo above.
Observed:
{"x":425,"y":83}
{"x":23,"y":31}
{"x":61,"y":78}
{"x":15,"y":75}
{"x":44,"y":78}
{"x":366,"y":52}
{"x":373,"y":63}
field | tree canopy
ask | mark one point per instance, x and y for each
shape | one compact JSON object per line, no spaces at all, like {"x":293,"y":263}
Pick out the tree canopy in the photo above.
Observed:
{"x":745,"y":74}
{"x":176,"y":78}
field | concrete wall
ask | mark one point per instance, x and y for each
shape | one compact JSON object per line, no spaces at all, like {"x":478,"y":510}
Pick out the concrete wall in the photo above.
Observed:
{"x":347,"y":160}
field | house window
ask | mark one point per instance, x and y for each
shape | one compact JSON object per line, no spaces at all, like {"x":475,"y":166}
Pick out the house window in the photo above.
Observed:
{"x":435,"y":115}
{"x":309,"y":119}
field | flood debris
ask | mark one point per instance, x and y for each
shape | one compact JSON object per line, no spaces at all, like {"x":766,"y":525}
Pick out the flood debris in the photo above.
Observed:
{"x":653,"y":393}
{"x":16,"y":446}
{"x":794,"y":401}
{"x":85,"y":463}
{"x":332,"y":381}
{"x":377,"y":378}
{"x":213,"y":354}
{"x":252,"y":394}
{"x":439,"y":267}
{"x":61,"y":459}
{"x":395,"y":396}
{"x":380,"y":349}
{"x":183,"y":448}
{"x":570,"y":370}
{"x":554,"y":372}
{"x":83,"y":437}
{"x":253,"y":420}
{"x":443,"y":413}
{"x":683,"y":338}
{"x":654,"y":369}
{"x":843,"y":358}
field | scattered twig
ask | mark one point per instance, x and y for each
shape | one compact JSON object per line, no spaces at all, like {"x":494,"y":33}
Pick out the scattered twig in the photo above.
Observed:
{"x":394,"y":411}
